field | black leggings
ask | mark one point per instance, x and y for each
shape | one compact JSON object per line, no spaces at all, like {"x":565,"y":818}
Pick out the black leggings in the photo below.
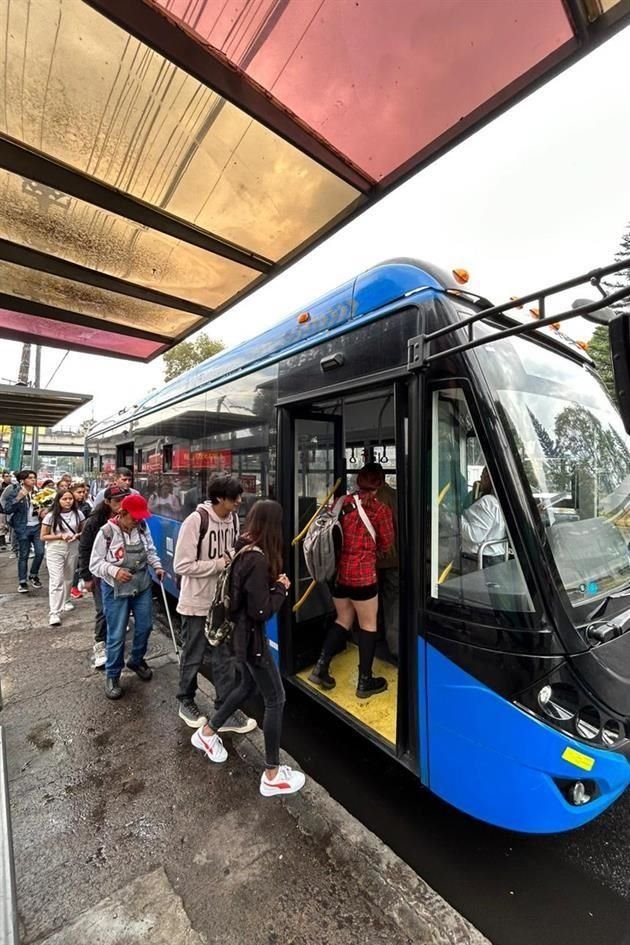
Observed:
{"x":266,"y":676}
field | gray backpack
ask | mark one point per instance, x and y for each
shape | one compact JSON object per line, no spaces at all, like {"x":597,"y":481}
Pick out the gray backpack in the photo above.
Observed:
{"x":324,"y":539}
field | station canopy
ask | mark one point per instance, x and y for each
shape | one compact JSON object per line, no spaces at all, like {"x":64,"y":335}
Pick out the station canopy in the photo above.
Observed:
{"x":22,"y":406}
{"x":161,"y":158}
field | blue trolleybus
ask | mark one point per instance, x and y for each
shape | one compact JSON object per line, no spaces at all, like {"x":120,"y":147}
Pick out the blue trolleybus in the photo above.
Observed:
{"x":508,"y":667}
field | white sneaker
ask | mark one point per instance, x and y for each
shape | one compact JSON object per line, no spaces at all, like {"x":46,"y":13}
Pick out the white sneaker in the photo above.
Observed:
{"x":100,"y":655}
{"x":287,"y":781}
{"x":233,"y":724}
{"x":54,"y":620}
{"x":210,"y":744}
{"x":68,"y":606}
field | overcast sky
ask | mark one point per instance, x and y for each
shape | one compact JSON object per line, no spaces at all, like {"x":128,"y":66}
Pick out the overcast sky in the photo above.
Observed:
{"x":539,"y":195}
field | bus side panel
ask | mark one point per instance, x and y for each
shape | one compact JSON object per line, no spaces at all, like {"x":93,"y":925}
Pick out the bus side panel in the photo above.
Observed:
{"x":492,"y":760}
{"x":271,"y":629}
{"x":164,"y":532}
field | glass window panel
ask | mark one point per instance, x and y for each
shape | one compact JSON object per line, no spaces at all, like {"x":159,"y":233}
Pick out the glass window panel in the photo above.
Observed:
{"x":417,"y":73}
{"x":473,"y":561}
{"x":50,"y":331}
{"x":54,"y":222}
{"x":80,"y":89}
{"x":88,"y":300}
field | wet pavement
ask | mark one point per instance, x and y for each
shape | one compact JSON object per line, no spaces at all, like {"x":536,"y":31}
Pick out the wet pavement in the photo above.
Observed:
{"x":125,"y":834}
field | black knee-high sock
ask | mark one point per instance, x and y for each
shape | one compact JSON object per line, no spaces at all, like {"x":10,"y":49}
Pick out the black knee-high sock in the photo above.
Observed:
{"x":367,"y":649}
{"x":335,"y":638}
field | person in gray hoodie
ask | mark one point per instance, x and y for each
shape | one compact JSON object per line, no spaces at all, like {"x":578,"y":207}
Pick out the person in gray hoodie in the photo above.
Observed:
{"x":205,"y":545}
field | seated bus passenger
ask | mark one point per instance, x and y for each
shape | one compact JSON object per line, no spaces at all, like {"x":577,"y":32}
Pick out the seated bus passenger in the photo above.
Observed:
{"x":483,"y":522}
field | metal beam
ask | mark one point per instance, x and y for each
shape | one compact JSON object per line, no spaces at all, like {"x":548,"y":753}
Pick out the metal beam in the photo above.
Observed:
{"x":33,"y":165}
{"x":45,"y":262}
{"x":40,"y":309}
{"x":155,"y":27}
{"x":9,"y":334}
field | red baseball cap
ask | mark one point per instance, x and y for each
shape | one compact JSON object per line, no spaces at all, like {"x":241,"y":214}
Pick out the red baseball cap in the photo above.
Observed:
{"x":137,"y":507}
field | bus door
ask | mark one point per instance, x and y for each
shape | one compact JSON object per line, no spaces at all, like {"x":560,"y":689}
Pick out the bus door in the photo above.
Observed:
{"x":361,"y":426}
{"x":313,"y":461}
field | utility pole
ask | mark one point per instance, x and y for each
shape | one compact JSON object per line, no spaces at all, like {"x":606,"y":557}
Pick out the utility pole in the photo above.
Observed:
{"x":35,"y":433}
{"x":16,"y":446}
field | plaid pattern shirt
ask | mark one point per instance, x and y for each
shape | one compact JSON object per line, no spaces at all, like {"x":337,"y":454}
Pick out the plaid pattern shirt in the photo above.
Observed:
{"x":357,"y":562}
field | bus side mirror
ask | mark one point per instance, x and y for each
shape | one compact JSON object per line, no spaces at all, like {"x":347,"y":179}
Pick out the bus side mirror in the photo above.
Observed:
{"x":619,"y":330}
{"x":603,"y":316}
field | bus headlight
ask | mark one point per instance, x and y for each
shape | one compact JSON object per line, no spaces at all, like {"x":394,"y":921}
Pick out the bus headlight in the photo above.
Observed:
{"x":611,"y":732}
{"x":588,"y":724}
{"x":560,"y":702}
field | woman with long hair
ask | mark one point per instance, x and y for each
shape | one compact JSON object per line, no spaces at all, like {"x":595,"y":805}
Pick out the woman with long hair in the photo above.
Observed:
{"x":258,"y":590}
{"x":61,"y":528}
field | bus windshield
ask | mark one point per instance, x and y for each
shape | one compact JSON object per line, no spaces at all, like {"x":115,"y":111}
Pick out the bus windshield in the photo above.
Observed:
{"x":576,"y":458}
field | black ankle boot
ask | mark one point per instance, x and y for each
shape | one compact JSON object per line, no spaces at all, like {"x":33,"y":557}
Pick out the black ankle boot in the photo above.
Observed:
{"x":320,"y":675}
{"x":370,"y":685}
{"x":112,"y":687}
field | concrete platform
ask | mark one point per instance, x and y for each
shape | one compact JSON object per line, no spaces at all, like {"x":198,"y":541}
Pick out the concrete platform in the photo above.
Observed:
{"x":124,"y":833}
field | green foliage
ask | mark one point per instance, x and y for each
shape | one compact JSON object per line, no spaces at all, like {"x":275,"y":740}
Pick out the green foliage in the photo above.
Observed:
{"x":619,"y":280}
{"x":599,"y":350}
{"x":187,"y":354}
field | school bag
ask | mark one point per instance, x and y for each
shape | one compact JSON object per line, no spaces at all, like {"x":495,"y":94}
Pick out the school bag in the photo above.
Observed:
{"x":219,"y":622}
{"x":324,"y":539}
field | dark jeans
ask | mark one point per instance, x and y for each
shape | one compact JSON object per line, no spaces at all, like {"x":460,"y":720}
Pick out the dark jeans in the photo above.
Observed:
{"x":100,"y":624}
{"x":225,"y":674}
{"x":118,"y":610}
{"x":29,"y":536}
{"x":266,"y":677}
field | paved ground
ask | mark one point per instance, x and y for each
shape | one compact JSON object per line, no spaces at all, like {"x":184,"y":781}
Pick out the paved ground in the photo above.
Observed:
{"x":124,"y":834}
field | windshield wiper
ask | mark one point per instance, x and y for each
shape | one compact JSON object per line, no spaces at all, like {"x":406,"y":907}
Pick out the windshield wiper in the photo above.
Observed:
{"x":601,"y":607}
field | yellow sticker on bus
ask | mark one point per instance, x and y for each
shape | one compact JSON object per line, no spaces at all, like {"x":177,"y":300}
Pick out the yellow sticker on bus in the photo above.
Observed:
{"x":585,"y":762}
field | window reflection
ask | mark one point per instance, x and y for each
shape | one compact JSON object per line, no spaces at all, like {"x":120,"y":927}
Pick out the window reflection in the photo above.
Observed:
{"x":576,"y":459}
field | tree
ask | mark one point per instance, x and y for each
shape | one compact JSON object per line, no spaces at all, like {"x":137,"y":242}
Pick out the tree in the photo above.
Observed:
{"x":599,"y":345}
{"x":187,"y":354}
{"x":599,"y":350}
{"x":620,"y":280}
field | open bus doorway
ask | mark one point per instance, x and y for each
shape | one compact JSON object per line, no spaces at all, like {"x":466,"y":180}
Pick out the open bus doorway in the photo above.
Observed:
{"x":331,"y":441}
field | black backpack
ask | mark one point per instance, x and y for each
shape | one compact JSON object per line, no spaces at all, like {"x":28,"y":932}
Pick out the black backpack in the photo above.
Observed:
{"x":220,"y":622}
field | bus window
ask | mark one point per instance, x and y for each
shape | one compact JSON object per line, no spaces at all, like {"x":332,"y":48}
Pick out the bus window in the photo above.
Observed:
{"x":472,"y":557}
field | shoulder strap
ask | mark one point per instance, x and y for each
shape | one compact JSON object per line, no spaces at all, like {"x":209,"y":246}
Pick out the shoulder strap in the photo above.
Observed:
{"x":203,"y":528}
{"x":364,"y":518}
{"x":108,"y":535}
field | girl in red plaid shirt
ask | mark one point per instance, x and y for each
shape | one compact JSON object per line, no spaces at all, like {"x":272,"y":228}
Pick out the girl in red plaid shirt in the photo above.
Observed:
{"x":355,"y":593}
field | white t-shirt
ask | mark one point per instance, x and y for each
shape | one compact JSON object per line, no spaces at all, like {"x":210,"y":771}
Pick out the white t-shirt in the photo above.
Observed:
{"x":32,"y":517}
{"x":483,"y":521}
{"x":71,"y":523}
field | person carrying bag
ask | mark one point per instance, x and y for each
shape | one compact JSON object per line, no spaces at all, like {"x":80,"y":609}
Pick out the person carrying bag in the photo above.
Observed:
{"x":258,"y":591}
{"x":60,"y":531}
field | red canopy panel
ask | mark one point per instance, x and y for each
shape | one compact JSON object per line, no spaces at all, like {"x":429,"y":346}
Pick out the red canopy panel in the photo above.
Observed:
{"x":57,"y":334}
{"x":381,"y":82}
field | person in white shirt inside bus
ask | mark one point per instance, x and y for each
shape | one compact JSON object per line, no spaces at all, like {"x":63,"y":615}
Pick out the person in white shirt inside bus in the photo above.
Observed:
{"x":483,"y":522}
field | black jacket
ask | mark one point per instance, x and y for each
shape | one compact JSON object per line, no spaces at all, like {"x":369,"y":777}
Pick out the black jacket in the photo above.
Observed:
{"x":88,"y":537}
{"x":254,"y":599}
